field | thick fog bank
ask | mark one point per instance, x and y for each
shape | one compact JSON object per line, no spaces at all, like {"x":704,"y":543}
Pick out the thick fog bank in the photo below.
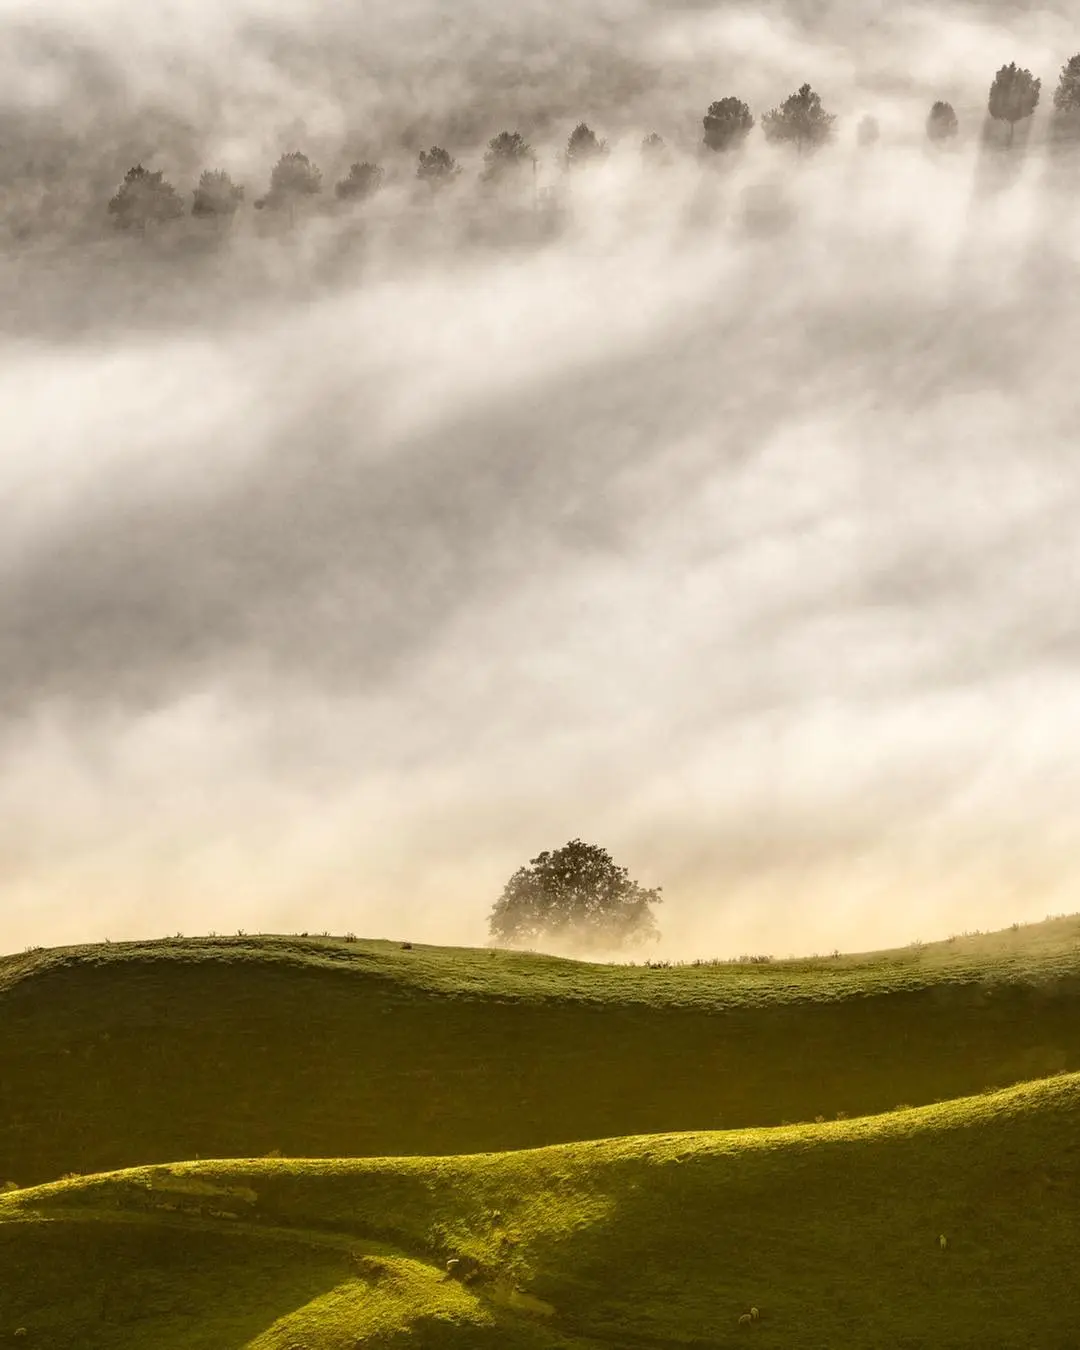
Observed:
{"x":724,"y":515}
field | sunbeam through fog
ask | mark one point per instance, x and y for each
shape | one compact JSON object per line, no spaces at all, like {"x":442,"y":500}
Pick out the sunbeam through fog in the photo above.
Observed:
{"x":720,"y":512}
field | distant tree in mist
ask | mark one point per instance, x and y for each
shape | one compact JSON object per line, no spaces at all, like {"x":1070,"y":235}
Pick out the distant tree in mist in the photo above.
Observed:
{"x":576,"y":892}
{"x":292,"y":178}
{"x":800,"y":121}
{"x":654,"y":149}
{"x":941,"y":123}
{"x":144,"y":198}
{"x":727,"y":124}
{"x":583,"y":147}
{"x":1013,"y":96}
{"x":362,"y":181}
{"x":217,"y":195}
{"x":436,"y":166}
{"x":506,"y":155}
{"x":868,"y":132}
{"x":1067,"y":93}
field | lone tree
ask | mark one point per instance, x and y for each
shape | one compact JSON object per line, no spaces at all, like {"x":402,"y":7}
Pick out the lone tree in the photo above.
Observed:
{"x":436,"y":166}
{"x":727,"y":124}
{"x":654,"y":150}
{"x":293,"y":177}
{"x":1067,"y":94}
{"x":577,"y":891}
{"x":144,"y":198}
{"x":941,"y":124}
{"x":217,"y":195}
{"x":1013,"y":96}
{"x":362,"y":181}
{"x":800,"y":120}
{"x":506,"y":155}
{"x":584,"y":147}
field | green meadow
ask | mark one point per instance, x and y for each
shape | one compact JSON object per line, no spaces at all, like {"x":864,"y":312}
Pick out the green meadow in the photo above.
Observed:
{"x":615,"y":1156}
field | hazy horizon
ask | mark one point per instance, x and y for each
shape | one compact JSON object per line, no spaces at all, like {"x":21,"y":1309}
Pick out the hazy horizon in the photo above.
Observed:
{"x":349,"y":567}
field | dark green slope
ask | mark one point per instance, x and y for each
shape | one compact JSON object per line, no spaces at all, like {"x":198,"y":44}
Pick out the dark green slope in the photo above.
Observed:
{"x":831,"y":1231}
{"x":128,"y":1054}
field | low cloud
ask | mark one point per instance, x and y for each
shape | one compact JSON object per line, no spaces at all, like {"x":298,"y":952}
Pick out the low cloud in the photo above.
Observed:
{"x":730,"y":526}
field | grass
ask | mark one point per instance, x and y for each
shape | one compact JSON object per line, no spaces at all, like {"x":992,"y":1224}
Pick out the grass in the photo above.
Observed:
{"x":667,"y":1199}
{"x":831,"y":1230}
{"x":124,"y":1054}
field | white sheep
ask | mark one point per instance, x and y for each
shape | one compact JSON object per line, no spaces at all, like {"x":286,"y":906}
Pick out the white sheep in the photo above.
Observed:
{"x":745,"y":1319}
{"x":943,"y":1241}
{"x":754,"y":1314}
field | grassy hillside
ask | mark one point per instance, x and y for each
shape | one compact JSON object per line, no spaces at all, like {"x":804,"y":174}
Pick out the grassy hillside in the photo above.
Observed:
{"x":830,"y":1230}
{"x":126,"y":1054}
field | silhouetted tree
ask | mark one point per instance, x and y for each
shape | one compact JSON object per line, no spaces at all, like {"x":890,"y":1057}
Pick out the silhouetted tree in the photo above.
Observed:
{"x":576,"y":891}
{"x":1013,"y":96}
{"x":436,"y":166}
{"x":799,"y":120}
{"x":727,"y":124}
{"x":362,"y":181}
{"x":868,"y":132}
{"x":1067,"y":94}
{"x":506,"y":154}
{"x":144,"y":198}
{"x":292,"y":178}
{"x":294,"y":175}
{"x":217,"y":195}
{"x":941,"y":124}
{"x":654,"y":149}
{"x":583,"y":147}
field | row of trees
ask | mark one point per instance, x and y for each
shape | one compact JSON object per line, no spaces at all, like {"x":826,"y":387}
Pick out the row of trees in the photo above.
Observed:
{"x":146,"y":197}
{"x":802,"y":121}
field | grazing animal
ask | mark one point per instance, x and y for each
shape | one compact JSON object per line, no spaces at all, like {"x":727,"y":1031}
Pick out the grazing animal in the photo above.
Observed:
{"x":745,"y":1319}
{"x":943,"y":1241}
{"x":452,"y":1265}
{"x":754,"y":1314}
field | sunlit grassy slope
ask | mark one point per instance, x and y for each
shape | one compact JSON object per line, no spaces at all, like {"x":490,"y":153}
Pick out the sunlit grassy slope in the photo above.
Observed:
{"x":126,"y":1054}
{"x":830,"y":1230}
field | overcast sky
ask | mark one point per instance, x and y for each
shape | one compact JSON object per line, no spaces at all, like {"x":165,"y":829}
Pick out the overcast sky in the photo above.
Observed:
{"x":343,"y":571}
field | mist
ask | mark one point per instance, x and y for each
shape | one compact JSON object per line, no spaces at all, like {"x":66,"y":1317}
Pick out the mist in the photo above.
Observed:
{"x":729,"y":523}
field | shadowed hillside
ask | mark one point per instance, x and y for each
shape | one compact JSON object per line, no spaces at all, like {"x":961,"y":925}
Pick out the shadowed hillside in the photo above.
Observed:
{"x":831,"y":1231}
{"x":122,"y":1055}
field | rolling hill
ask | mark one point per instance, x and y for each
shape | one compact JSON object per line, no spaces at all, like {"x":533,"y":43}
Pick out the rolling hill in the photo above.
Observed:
{"x":605,"y":1149}
{"x":832,"y":1231}
{"x":121,"y":1055}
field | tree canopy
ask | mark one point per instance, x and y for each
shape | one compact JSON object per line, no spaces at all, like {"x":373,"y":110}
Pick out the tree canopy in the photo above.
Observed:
{"x":941,"y":123}
{"x":216,"y":195}
{"x":506,"y":154}
{"x":1067,"y":93}
{"x":362,"y":181}
{"x":578,"y":892}
{"x":144,"y":198}
{"x":436,"y":166}
{"x":800,"y":120}
{"x":294,"y":175}
{"x":1013,"y":95}
{"x":584,"y":146}
{"x":727,"y":124}
{"x":654,"y":149}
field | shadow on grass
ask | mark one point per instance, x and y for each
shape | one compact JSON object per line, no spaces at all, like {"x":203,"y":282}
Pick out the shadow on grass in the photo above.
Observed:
{"x":102,"y":1286}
